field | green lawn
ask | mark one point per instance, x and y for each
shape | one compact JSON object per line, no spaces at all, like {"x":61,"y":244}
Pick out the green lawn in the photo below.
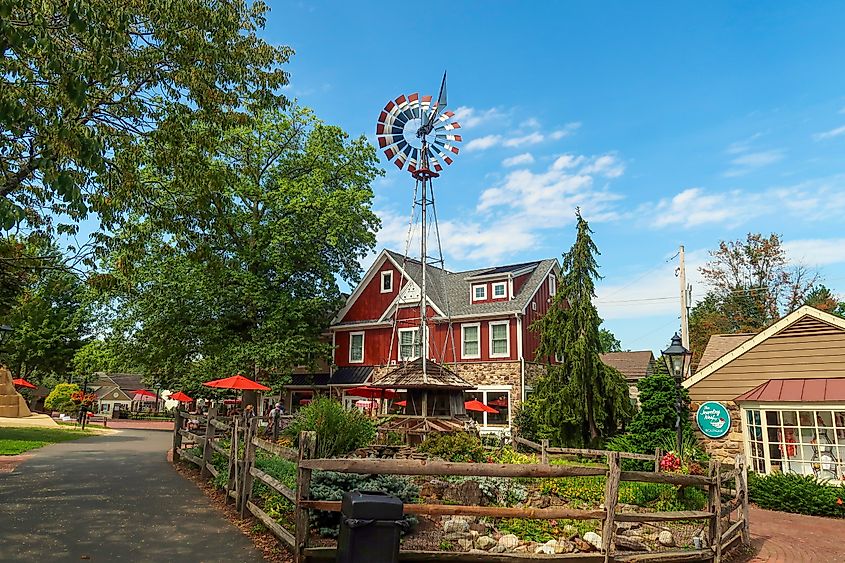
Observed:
{"x":14,"y":441}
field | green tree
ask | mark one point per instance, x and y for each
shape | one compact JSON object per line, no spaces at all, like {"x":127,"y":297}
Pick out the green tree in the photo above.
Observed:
{"x":824,"y":299}
{"x":94,"y":356}
{"x":580,"y":400}
{"x":608,"y":341}
{"x":82,"y":84}
{"x":51,"y":316}
{"x":59,"y":398}
{"x":229,"y":259}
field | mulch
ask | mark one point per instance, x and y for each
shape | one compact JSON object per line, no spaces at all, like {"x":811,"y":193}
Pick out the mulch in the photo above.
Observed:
{"x":265,"y":541}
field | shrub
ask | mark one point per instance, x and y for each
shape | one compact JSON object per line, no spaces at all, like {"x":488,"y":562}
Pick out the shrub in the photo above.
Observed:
{"x":542,"y":530}
{"x":328,"y":485}
{"x":509,"y":455}
{"x":456,"y":446}
{"x":802,"y":494}
{"x":60,"y":400}
{"x":339,"y":431}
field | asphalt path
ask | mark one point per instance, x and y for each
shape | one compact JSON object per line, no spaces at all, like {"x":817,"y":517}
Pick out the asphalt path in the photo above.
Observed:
{"x":111,"y":498}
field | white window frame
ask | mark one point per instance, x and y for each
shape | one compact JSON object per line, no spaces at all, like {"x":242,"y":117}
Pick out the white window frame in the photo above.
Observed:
{"x":484,"y":390}
{"x":389,"y":275}
{"x":483,"y":297}
{"x":363,"y":336}
{"x":552,"y":285}
{"x":504,"y":285}
{"x":399,"y":344}
{"x":507,"y":325}
{"x":464,"y":355}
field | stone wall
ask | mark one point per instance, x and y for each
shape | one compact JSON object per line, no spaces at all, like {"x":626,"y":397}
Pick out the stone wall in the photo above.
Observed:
{"x":533,"y":372}
{"x":494,"y":373}
{"x":726,"y":448}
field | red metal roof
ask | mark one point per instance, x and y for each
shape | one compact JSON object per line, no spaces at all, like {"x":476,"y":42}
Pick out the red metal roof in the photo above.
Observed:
{"x":795,"y":390}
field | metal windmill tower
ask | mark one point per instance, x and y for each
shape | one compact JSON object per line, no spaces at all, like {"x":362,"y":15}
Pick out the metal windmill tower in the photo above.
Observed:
{"x":417,"y":134}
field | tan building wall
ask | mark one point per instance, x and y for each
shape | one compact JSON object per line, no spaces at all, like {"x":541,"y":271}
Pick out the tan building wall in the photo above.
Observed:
{"x":809,"y":348}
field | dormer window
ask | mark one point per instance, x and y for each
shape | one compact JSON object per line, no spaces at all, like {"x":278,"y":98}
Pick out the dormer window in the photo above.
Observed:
{"x":552,"y":285}
{"x":387,"y":281}
{"x":479,"y":292}
{"x":500,"y":290}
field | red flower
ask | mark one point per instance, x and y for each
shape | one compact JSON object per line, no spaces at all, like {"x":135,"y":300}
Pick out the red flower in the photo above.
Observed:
{"x":839,"y":501}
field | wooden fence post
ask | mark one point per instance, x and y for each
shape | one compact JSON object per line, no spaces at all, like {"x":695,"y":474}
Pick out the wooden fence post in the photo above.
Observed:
{"x":206,"y":447}
{"x":307,"y":448}
{"x":611,"y":498}
{"x":544,"y":454}
{"x":742,"y":489}
{"x":715,"y":505}
{"x":177,"y":438}
{"x":232,"y":482}
{"x":658,"y":455}
{"x":249,"y":461}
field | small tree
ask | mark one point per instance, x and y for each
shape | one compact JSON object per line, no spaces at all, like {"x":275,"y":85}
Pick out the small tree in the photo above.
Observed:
{"x":61,"y":398}
{"x":579,"y":400}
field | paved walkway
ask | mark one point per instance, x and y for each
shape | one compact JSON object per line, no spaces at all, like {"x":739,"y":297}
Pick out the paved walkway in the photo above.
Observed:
{"x":111,"y":498}
{"x":780,"y":537}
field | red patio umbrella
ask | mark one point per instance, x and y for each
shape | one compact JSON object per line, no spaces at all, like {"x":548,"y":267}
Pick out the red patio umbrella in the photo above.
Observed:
{"x":371,"y":392}
{"x":401,"y":403}
{"x":181,"y":397}
{"x":144,"y":393}
{"x":498,"y":403}
{"x":476,"y":405}
{"x":236,"y":382}
{"x":21,"y":382}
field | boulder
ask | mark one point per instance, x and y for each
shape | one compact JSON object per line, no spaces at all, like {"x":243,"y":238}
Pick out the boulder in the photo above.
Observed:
{"x":466,"y":545}
{"x":454,"y":525}
{"x":564,"y":547}
{"x":455,"y":536}
{"x":485,"y":543}
{"x":665,"y":538}
{"x":509,"y":541}
{"x":468,"y":492}
{"x":581,"y":545}
{"x":498,"y":549}
{"x":546,"y":548}
{"x":593,"y":539}
{"x":520,"y":549}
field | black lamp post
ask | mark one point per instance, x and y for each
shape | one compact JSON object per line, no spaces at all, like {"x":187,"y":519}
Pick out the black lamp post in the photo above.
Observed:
{"x":677,"y":360}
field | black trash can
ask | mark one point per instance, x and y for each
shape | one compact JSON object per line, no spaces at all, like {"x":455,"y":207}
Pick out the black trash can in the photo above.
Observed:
{"x":370,"y":526}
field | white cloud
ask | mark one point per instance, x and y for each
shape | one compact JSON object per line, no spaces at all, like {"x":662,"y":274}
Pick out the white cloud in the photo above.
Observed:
{"x":568,"y":130}
{"x":816,"y":252}
{"x":483,"y":143}
{"x":830,"y":134}
{"x":518,"y":160}
{"x":529,"y":139}
{"x":530,"y":123}
{"x":470,"y":117}
{"x":606,"y":165}
{"x":693,"y":207}
{"x":567,"y":161}
{"x":752,"y":161}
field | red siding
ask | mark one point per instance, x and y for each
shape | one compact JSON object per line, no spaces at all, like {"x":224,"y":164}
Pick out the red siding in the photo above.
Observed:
{"x":519,"y":281}
{"x":371,"y":303}
{"x":489,"y":286}
{"x":530,"y":338}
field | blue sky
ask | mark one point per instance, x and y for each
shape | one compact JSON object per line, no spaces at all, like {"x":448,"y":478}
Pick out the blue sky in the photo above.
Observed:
{"x":681,"y":123}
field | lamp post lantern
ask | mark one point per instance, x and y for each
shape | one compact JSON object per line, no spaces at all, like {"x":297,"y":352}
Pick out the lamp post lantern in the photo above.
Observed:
{"x":677,"y":359}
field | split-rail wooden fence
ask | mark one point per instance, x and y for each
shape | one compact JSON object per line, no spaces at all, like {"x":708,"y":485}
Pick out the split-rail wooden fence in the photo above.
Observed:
{"x":725,"y":522}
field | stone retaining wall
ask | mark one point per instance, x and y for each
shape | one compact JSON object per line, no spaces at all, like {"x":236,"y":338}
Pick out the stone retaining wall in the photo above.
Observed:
{"x":726,"y":448}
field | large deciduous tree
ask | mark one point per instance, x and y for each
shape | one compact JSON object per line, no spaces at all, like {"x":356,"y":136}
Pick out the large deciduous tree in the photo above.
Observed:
{"x":82,"y":84}
{"x":229,"y":253}
{"x":579,"y":400}
{"x":750,"y":285}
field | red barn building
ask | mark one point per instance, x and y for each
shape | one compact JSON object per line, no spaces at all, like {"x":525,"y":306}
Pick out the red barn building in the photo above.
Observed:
{"x":478,"y":323}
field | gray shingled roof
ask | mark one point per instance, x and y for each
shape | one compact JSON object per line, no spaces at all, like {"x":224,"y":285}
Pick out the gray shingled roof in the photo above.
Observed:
{"x":450,"y":291}
{"x":409,"y":375}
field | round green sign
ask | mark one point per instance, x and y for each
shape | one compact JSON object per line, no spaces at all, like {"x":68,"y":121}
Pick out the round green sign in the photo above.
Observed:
{"x":713,"y":419}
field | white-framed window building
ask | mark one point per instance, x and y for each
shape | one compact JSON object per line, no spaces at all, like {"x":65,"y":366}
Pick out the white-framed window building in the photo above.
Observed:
{"x":409,"y":344}
{"x":356,"y":347}
{"x":387,"y":281}
{"x":500,"y":290}
{"x":807,"y":439}
{"x":500,"y":339}
{"x":479,"y":292}
{"x":471,"y":341}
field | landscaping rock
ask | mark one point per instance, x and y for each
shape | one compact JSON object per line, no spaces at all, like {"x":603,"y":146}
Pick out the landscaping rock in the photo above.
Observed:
{"x":564,"y":547}
{"x":547,"y":548}
{"x":455,"y":525}
{"x":468,"y":492}
{"x":509,"y":541}
{"x":465,"y":544}
{"x":630,"y":543}
{"x":454,"y":536}
{"x":581,"y":545}
{"x":520,"y":549}
{"x":593,"y":539}
{"x":499,"y":549}
{"x":485,"y":543}
{"x":666,"y":538}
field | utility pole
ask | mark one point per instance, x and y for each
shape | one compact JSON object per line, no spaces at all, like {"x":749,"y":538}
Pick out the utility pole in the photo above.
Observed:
{"x":686,"y":294}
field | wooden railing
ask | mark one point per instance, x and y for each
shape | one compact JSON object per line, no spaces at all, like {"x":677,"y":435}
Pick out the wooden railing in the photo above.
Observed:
{"x":721,"y":530}
{"x":546,"y":451}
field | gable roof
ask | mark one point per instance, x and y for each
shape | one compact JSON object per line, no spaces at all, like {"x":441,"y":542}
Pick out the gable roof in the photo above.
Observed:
{"x":803,"y":312}
{"x":721,"y":344}
{"x":633,"y":365}
{"x":125,"y":381}
{"x":449,"y":292}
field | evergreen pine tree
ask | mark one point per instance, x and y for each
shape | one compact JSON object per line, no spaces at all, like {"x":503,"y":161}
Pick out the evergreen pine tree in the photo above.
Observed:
{"x":580,"y":400}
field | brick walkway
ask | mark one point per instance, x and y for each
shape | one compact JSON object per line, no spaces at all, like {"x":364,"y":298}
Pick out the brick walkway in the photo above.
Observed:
{"x":780,"y":537}
{"x":122,"y":424}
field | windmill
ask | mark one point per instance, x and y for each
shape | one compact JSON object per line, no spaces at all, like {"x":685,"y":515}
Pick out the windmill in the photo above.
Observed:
{"x":417,"y":135}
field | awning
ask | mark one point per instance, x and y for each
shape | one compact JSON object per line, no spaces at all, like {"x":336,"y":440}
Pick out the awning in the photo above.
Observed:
{"x":812,"y":390}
